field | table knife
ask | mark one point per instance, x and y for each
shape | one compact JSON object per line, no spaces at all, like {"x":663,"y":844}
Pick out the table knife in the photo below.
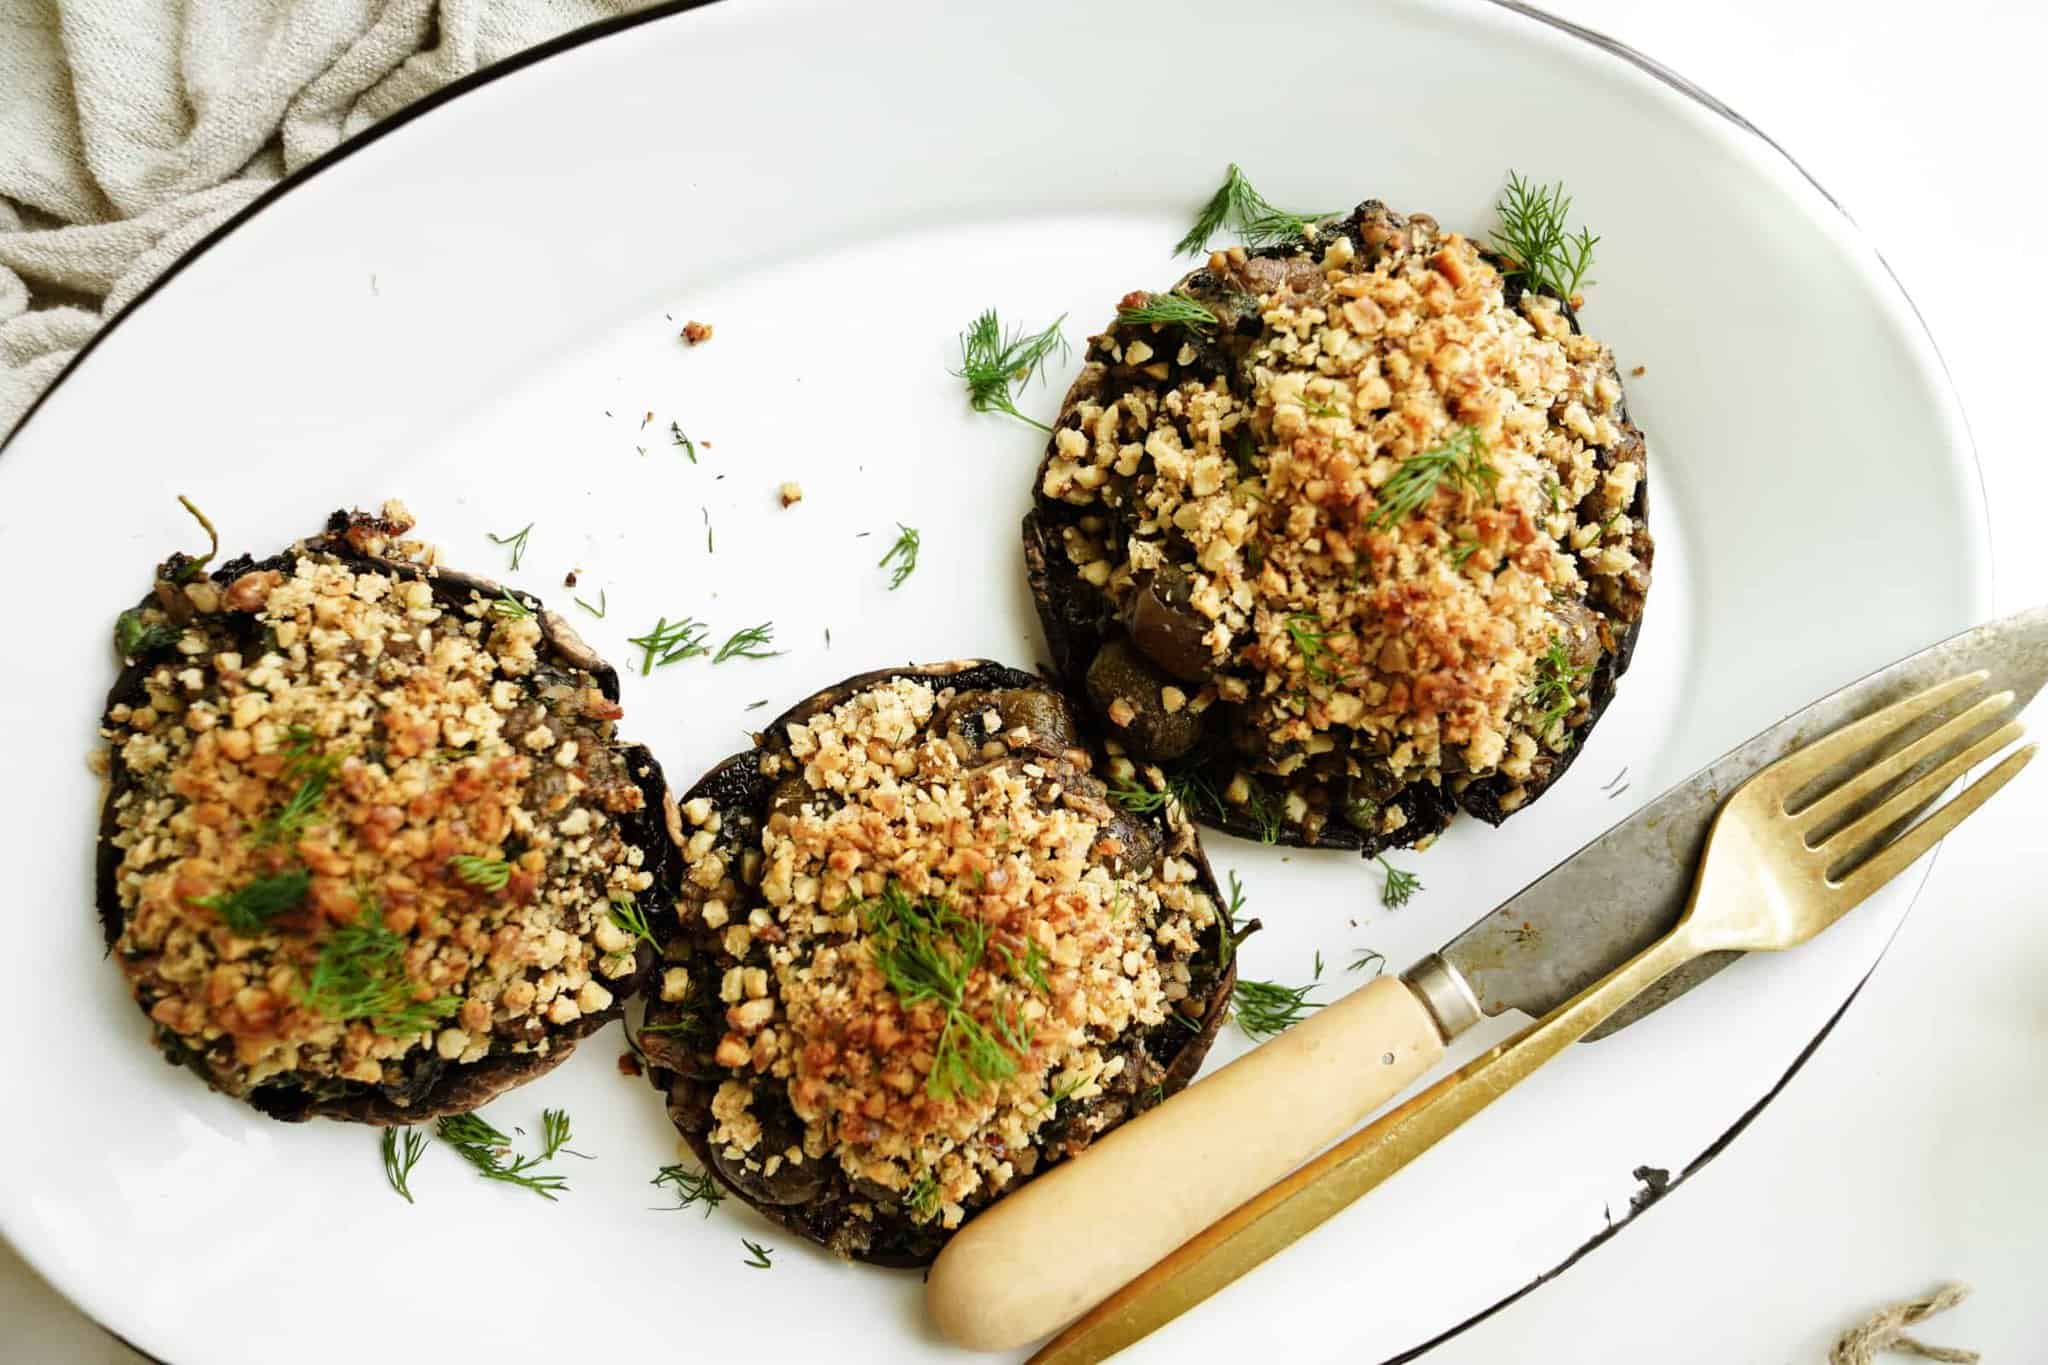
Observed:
{"x":1072,"y":1237}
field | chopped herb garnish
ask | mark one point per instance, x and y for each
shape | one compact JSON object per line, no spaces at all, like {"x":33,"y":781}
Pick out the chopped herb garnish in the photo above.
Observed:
{"x":1399,"y":886}
{"x":314,"y":771}
{"x":1233,"y":916}
{"x":1533,"y":235}
{"x":360,"y":974}
{"x":1368,"y":958}
{"x":402,"y":1150}
{"x":1460,"y":461}
{"x":1167,"y":309}
{"x":1308,"y":637}
{"x":926,"y":951}
{"x":710,"y":535}
{"x":554,"y":1134}
{"x":693,"y":1188}
{"x":994,"y":362}
{"x":517,"y":540}
{"x":180,"y":567}
{"x":603,"y":604}
{"x":134,"y":638}
{"x":249,"y":909}
{"x":1463,"y":551}
{"x":485,"y":874}
{"x":1265,"y":1009}
{"x":1236,"y":203}
{"x":904,"y":553}
{"x":1553,"y":493}
{"x":923,"y":1195}
{"x":488,"y":1150}
{"x":510,"y":607}
{"x":1553,"y":694}
{"x":666,"y":643}
{"x":631,"y":919}
{"x":676,"y":437}
{"x":747,"y":644}
{"x":757,"y":1255}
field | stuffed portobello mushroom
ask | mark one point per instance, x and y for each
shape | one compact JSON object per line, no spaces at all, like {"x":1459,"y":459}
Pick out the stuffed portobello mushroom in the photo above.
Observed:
{"x":370,"y":840}
{"x":921,"y":954}
{"x":1345,"y":535}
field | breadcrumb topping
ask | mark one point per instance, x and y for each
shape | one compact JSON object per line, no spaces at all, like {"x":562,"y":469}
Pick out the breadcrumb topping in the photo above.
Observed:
{"x":914,"y":791}
{"x":467,"y":803}
{"x":1404,"y":498}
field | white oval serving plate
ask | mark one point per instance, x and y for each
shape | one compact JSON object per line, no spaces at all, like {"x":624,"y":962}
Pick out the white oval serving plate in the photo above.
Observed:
{"x":476,"y":309}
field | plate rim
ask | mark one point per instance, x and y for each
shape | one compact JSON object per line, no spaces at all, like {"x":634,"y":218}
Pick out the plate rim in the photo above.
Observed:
{"x":1653,"y":1191}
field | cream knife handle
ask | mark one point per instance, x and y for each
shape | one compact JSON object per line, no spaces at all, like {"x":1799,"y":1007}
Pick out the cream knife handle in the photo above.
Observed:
{"x":1303,"y":1201}
{"x":1059,"y":1245}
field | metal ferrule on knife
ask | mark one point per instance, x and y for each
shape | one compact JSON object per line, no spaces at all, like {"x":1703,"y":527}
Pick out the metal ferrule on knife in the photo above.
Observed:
{"x":1444,"y":993}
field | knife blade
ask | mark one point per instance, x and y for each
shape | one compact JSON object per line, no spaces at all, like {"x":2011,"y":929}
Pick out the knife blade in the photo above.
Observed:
{"x":1627,"y":888}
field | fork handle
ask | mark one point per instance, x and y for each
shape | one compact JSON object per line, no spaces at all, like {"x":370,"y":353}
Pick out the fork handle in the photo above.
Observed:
{"x":1304,"y":1200}
{"x":1047,"y":1252}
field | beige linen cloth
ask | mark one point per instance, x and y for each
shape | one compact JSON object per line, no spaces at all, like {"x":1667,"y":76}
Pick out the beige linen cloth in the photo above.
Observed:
{"x":129,"y":129}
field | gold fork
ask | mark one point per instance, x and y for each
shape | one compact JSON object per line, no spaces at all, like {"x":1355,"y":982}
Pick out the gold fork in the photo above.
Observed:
{"x":1780,"y":866}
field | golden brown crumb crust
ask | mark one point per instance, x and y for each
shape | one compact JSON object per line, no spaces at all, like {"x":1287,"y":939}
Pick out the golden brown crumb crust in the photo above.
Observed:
{"x":470,"y":805}
{"x":1221,"y":558}
{"x":796,"y":1071}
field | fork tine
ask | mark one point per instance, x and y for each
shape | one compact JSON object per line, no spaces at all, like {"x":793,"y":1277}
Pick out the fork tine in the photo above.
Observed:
{"x":1896,"y":856}
{"x":1804,"y":765}
{"x":1905,"y":760}
{"x":1901,"y":804}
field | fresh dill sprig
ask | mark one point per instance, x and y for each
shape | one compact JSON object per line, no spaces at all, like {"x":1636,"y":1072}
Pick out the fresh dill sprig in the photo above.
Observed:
{"x":360,"y":974}
{"x":747,"y":644}
{"x":693,"y":1188}
{"x":1460,"y":461}
{"x":180,"y":567}
{"x":1265,"y":813}
{"x":554,"y":1133}
{"x":1399,"y":887}
{"x":485,"y":874}
{"x":677,"y":438}
{"x":1368,"y":958}
{"x":1554,"y":693}
{"x":923,"y":1195}
{"x":517,"y":540}
{"x":1309,"y":641}
{"x":994,"y":362}
{"x":926,"y":951}
{"x":402,"y":1150}
{"x":510,"y":607}
{"x":1257,"y":221}
{"x":1264,"y":1008}
{"x":249,"y":909}
{"x":1462,"y":552}
{"x":1031,"y":966}
{"x":904,"y":553}
{"x":314,"y":771}
{"x":1166,"y":309}
{"x":490,"y":1152}
{"x":757,"y":1255}
{"x":631,"y":919}
{"x":667,"y":643}
{"x":133,"y":638}
{"x":1233,"y":916}
{"x":603,"y":605}
{"x":1533,"y":235}
{"x":1136,"y":797}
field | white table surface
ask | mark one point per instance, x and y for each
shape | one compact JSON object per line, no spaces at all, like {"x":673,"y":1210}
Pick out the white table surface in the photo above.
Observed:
{"x":1909,"y":1150}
